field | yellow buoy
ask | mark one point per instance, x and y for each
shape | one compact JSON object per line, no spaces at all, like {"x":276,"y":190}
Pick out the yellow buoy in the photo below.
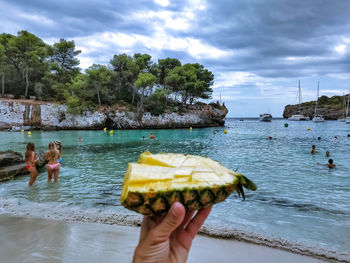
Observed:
{"x":104,"y":129}
{"x":190,"y":128}
{"x":111,"y":132}
{"x":308,"y":128}
{"x":29,"y":133}
{"x":22,"y":130}
{"x":225,"y":131}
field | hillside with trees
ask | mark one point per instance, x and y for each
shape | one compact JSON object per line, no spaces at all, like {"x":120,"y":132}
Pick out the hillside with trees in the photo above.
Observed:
{"x":30,"y":68}
{"x":332,"y":108}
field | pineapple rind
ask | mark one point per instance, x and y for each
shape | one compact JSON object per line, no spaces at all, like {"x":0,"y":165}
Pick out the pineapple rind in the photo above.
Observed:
{"x":153,"y":184}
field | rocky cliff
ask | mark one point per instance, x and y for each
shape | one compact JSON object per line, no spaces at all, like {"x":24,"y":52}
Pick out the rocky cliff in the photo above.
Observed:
{"x":331,"y":108}
{"x":41,"y":115}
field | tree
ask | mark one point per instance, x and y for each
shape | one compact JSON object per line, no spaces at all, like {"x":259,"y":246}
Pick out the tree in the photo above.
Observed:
{"x":64,"y":61}
{"x":126,"y":72}
{"x":175,"y":79}
{"x":28,"y":56}
{"x":144,"y":81}
{"x":2,"y":68}
{"x":165,"y":66}
{"x":98,"y":76}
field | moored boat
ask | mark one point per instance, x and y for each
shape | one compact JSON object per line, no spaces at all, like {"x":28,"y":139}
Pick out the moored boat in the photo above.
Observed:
{"x":299,"y":116}
{"x":317,"y":117}
{"x":265,"y":117}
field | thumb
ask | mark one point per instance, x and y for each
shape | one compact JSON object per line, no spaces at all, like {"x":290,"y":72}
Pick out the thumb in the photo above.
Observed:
{"x":172,"y":220}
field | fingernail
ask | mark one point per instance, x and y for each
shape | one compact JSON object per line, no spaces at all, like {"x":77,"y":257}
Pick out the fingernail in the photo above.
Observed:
{"x":174,"y":209}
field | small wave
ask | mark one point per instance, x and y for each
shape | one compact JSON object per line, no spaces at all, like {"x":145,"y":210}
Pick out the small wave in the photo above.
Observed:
{"x":62,"y":212}
{"x":305,"y":207}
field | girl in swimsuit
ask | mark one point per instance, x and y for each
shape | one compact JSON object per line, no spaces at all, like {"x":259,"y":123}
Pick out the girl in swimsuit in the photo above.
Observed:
{"x":53,"y":165}
{"x":30,"y":159}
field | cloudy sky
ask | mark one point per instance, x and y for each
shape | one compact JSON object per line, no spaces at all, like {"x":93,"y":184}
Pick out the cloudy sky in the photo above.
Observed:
{"x":257,"y":50}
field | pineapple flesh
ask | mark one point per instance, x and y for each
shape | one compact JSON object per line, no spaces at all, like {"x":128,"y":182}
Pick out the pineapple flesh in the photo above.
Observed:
{"x":156,"y":181}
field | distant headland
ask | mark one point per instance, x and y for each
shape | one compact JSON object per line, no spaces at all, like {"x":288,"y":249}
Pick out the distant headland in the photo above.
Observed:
{"x":332,"y":108}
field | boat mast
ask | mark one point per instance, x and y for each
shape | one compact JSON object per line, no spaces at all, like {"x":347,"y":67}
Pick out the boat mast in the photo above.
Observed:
{"x":299,"y":96}
{"x":347,"y":105}
{"x":318,"y":90}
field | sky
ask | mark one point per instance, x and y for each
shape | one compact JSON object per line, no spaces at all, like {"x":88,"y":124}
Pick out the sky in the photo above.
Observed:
{"x":258,"y":50}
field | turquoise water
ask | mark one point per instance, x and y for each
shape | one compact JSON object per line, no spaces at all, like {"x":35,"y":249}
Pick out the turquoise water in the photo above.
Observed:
{"x":298,"y":200}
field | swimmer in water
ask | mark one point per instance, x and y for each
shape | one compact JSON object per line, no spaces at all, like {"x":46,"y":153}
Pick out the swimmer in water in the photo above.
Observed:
{"x":328,"y":154}
{"x":313,"y":149}
{"x":331,"y":164}
{"x":30,"y":159}
{"x":80,"y":139}
{"x":152,"y":136}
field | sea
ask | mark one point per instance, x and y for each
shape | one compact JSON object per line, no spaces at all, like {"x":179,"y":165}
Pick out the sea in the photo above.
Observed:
{"x":300,"y":205}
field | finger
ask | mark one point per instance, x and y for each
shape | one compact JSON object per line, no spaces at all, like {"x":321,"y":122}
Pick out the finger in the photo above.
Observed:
{"x":146,"y":225}
{"x":187,"y":218}
{"x":172,"y":220}
{"x":196,"y":223}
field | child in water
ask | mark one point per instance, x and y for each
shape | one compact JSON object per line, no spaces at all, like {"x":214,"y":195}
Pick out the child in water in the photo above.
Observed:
{"x":30,"y":159}
{"x":53,"y":165}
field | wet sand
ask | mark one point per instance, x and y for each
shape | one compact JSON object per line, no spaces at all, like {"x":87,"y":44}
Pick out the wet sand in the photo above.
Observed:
{"x":40,"y":240}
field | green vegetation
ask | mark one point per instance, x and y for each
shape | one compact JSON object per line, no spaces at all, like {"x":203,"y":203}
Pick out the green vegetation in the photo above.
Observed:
{"x":29,"y":67}
{"x":337,"y":102}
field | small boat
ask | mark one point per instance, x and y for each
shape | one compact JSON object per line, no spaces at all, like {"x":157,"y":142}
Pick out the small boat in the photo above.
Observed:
{"x":298,"y":116}
{"x":265,"y":117}
{"x":317,"y":117}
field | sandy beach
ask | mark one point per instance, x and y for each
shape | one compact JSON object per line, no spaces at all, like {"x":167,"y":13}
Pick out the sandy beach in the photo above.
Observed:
{"x":40,"y":240}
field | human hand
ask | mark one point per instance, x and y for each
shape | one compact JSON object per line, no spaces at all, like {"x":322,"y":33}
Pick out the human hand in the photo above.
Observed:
{"x":169,"y":238}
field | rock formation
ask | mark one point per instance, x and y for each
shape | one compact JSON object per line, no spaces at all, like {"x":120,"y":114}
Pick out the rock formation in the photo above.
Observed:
{"x":12,"y":164}
{"x":53,"y":116}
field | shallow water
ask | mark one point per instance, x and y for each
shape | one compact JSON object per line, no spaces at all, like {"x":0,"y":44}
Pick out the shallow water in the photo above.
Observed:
{"x":298,"y":200}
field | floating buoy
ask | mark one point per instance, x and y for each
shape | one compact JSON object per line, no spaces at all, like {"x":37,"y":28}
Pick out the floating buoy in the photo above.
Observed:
{"x":308,"y":128}
{"x":104,"y":129}
{"x":111,"y":132}
{"x":286,"y":125}
{"x":22,"y":130}
{"x":270,"y":137}
{"x":190,"y":128}
{"x":225,"y":131}
{"x":29,"y":133}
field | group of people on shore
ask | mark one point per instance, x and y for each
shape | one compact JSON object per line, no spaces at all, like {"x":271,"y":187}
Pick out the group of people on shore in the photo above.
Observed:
{"x":52,"y":156}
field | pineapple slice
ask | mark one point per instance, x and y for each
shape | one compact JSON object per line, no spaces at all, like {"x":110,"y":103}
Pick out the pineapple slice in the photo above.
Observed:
{"x":156,"y":181}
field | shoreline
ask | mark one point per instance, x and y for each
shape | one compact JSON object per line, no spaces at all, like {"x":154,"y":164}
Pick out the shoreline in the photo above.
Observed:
{"x":49,"y":240}
{"x":229,"y":235}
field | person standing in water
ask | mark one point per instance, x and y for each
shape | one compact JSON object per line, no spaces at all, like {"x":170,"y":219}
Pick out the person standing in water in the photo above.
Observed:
{"x":30,"y":159}
{"x":53,"y":166}
{"x":152,"y":136}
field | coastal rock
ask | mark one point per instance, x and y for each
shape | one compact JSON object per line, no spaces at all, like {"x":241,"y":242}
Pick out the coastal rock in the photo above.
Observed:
{"x":9,"y":158}
{"x":40,"y":155}
{"x":50,"y":116}
{"x":9,"y":172}
{"x":12,"y":164}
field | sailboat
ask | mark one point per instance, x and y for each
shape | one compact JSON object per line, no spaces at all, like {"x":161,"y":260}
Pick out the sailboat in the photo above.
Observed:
{"x":299,"y":116}
{"x":317,"y":118}
{"x":344,"y":107}
{"x":347,"y":118}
